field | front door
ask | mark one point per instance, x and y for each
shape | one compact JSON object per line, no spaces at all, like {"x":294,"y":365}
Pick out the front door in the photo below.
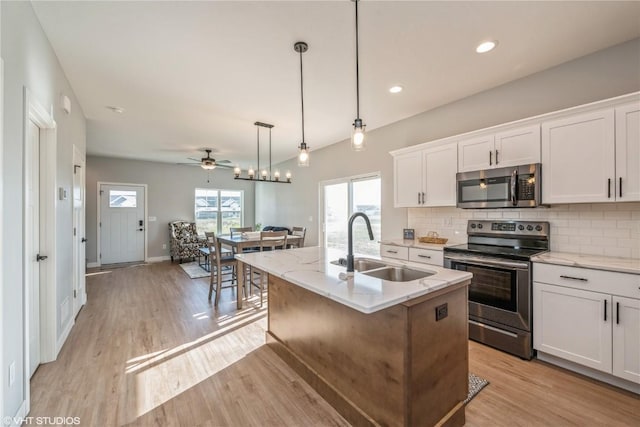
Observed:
{"x":122,"y":224}
{"x":32,"y":240}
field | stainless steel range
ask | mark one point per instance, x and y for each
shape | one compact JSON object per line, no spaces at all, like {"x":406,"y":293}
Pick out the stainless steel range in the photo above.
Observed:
{"x":498,"y":253}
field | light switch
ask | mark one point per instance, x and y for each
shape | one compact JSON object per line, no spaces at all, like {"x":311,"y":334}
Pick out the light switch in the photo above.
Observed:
{"x":152,"y":218}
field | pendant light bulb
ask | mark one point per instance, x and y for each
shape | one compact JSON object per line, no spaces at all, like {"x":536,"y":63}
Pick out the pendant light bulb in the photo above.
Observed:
{"x":303,"y":156}
{"x":357,"y":137}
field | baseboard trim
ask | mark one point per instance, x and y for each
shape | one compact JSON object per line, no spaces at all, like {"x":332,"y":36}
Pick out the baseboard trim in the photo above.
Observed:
{"x":93,"y":264}
{"x":158,"y":258}
{"x":64,"y":336}
{"x":589,"y":372}
{"x":19,"y":416}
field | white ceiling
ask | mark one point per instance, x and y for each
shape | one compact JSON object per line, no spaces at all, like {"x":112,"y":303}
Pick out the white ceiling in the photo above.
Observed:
{"x":192,"y":75}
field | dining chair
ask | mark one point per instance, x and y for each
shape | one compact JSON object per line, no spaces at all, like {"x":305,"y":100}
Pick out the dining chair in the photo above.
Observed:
{"x":269,"y":241}
{"x":236,"y":230}
{"x":300,"y":232}
{"x":219,"y":260}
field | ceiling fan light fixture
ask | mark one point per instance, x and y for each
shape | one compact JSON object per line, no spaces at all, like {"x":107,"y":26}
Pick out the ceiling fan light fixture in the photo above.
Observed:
{"x":208,"y":165}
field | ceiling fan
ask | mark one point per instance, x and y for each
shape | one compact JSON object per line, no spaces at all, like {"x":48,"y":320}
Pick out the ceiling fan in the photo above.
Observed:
{"x":208,"y":162}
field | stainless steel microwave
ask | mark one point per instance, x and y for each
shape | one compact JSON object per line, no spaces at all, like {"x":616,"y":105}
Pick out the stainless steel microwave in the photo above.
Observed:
{"x":512,"y":187}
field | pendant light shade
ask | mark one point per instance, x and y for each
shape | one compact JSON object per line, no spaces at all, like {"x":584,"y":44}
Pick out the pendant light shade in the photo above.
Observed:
{"x":303,"y":155}
{"x":357,"y":136}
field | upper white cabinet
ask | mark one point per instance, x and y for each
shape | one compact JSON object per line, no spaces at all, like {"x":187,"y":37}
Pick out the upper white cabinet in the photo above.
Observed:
{"x":513,"y":147}
{"x":628,"y":152}
{"x":426,"y":177}
{"x":407,"y":179}
{"x":592,"y":157}
{"x":440,"y":175}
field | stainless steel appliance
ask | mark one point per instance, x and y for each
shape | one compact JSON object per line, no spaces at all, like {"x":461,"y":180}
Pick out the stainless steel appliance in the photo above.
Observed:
{"x":498,"y":253}
{"x":514,"y":187}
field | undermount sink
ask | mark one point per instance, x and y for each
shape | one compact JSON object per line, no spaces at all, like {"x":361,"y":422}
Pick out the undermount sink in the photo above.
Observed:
{"x":398,"y":274}
{"x":361,"y":264}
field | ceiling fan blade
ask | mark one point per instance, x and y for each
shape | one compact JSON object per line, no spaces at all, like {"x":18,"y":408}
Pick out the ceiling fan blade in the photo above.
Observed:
{"x":223,"y":166}
{"x":195,"y":160}
{"x":223,"y":161}
{"x":189,"y":164}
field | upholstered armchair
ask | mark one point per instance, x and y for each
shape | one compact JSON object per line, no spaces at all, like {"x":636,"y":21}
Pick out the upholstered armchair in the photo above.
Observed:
{"x":184,"y":240}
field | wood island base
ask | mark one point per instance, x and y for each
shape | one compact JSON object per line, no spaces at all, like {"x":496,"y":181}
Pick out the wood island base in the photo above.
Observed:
{"x":398,"y":366}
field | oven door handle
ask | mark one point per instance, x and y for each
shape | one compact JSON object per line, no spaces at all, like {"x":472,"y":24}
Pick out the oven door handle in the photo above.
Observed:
{"x":484,"y":262}
{"x":514,"y":180}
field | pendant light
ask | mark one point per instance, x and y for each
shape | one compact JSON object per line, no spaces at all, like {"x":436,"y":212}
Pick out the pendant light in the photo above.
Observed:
{"x":303,"y":155}
{"x":261,"y":175}
{"x":357,"y":136}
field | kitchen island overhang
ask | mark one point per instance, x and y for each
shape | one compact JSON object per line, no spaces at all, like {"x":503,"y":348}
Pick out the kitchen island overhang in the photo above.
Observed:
{"x":380,"y":352}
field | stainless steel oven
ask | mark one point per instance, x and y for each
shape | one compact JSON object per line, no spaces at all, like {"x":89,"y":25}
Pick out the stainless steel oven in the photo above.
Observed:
{"x":498,"y":255}
{"x":512,"y":187}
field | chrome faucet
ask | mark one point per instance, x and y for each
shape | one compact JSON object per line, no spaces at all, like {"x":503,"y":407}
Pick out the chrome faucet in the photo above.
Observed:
{"x":350,"y":238}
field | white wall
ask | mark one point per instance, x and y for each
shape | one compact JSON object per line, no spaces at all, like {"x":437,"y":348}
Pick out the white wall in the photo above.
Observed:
{"x":171,"y":195}
{"x":31,"y":62}
{"x":608,"y":73}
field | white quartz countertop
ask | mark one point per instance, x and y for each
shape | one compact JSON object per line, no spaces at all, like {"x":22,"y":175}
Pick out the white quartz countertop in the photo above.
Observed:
{"x":311,"y":268}
{"x":598,"y":262}
{"x":417,"y":244}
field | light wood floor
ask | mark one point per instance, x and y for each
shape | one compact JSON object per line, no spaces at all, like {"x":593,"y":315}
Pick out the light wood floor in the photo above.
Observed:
{"x":148,"y":349}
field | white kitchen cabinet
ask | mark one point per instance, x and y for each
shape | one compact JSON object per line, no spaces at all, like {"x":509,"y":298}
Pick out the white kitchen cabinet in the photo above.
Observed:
{"x":589,"y":317}
{"x":626,"y":339}
{"x":627,"y":183}
{"x":426,"y":256}
{"x":512,"y":147}
{"x":439,"y":171}
{"x":592,"y":157}
{"x":393,"y":251}
{"x":569,"y":323}
{"x":426,"y":177}
{"x":407,"y":179}
{"x":406,"y":253}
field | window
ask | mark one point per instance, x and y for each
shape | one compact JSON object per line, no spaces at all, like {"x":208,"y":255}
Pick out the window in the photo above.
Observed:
{"x":341,"y":198}
{"x":218,"y":210}
{"x":122,"y":199}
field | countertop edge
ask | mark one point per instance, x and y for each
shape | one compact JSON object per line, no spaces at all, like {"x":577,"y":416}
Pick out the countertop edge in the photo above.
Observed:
{"x":595,"y":262}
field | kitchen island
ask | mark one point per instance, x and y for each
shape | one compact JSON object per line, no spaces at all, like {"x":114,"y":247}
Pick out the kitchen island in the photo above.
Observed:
{"x":380,"y":352}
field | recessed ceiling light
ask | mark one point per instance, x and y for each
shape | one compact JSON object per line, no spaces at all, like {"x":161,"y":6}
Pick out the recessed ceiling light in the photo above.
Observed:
{"x":487,"y":46}
{"x":118,"y":110}
{"x":395,"y":89}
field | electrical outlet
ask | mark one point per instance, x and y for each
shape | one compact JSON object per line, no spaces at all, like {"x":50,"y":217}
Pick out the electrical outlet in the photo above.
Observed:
{"x":164,"y":246}
{"x":12,"y":373}
{"x":442,"y":311}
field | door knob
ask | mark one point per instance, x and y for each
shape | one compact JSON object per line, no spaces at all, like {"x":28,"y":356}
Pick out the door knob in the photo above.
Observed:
{"x":83,"y":240}
{"x":41,"y":257}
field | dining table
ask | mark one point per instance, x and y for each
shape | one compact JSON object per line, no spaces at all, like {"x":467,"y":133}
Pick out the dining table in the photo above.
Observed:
{"x":240,"y":242}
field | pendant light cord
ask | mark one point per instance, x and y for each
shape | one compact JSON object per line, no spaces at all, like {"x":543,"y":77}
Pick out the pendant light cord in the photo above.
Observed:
{"x":302,"y":94}
{"x":357,"y":67}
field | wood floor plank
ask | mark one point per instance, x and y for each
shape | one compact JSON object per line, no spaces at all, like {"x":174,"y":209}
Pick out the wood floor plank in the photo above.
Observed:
{"x":149,"y":349}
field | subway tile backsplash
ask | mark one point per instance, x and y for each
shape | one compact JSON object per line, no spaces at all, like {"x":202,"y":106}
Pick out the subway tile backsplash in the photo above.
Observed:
{"x":609,"y":229}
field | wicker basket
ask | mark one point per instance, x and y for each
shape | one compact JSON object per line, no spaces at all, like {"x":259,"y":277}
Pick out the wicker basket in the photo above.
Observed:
{"x":436,"y":240}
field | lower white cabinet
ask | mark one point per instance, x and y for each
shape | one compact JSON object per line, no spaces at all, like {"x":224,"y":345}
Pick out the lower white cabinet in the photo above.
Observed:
{"x":589,"y":317}
{"x":405,"y":253}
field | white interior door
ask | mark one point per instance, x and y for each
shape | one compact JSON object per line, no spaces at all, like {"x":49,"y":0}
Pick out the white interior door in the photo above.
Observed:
{"x":122,"y":225}
{"x":79,"y":239}
{"x":32,"y":241}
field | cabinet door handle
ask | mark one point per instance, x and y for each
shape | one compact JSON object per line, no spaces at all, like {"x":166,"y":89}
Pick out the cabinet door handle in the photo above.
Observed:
{"x":391,"y":252}
{"x":418,"y":197}
{"x":562,"y":276}
{"x":497,"y":157}
{"x":620,"y":186}
{"x":617,"y":313}
{"x":609,"y":188}
{"x":605,"y":310}
{"x":423,"y":197}
{"x":490,"y":158}
{"x":424,"y":256}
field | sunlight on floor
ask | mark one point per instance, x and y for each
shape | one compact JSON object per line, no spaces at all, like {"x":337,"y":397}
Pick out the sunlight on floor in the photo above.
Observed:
{"x":98,"y":273}
{"x":165,"y":375}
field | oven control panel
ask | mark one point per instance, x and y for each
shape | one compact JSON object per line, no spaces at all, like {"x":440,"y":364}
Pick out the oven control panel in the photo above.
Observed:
{"x":506,"y":227}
